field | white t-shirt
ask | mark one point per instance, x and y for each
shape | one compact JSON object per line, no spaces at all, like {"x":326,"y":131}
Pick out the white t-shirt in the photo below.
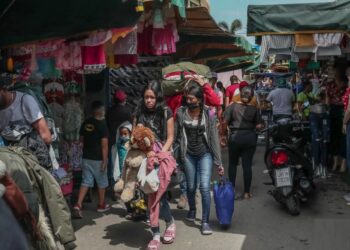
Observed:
{"x":24,"y":111}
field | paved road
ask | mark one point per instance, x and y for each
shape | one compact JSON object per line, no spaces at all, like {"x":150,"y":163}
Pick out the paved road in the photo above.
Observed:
{"x":258,"y":224}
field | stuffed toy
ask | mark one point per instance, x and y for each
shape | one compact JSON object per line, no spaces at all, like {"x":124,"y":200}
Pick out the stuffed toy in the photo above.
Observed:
{"x":142,"y":142}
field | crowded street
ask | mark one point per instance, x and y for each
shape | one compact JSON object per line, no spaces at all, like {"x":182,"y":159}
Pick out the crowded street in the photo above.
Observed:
{"x":175,"y":124}
{"x":258,"y":224}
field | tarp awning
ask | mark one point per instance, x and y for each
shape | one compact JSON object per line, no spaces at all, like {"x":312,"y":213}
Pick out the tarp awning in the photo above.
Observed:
{"x":231,"y":63}
{"x":27,"y":21}
{"x":199,"y":22}
{"x":299,"y":18}
{"x":202,"y":40}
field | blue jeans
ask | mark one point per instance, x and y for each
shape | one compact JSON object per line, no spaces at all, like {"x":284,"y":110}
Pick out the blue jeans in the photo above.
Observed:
{"x":348,"y":147}
{"x":201,"y":167}
{"x":319,"y":126}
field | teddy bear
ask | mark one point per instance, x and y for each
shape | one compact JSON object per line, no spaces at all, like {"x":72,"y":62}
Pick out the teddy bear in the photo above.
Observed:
{"x":142,"y":142}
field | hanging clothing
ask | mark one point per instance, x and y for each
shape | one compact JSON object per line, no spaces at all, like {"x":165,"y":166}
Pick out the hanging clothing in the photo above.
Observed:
{"x":327,"y":44}
{"x":73,"y":116}
{"x":277,"y":44}
{"x":164,"y":40}
{"x":97,"y":38}
{"x":144,"y":45}
{"x":57,"y":113}
{"x":69,"y":56}
{"x":304,"y":43}
{"x":126,"y":45}
{"x":54,"y":92}
{"x":93,"y":58}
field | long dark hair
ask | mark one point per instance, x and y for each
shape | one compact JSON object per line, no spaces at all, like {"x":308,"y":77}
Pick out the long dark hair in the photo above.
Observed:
{"x":220,"y":86}
{"x":197,"y":91}
{"x":157,"y":90}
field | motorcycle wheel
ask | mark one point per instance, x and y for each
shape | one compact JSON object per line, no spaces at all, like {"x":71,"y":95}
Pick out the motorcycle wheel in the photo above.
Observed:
{"x":293,"y":205}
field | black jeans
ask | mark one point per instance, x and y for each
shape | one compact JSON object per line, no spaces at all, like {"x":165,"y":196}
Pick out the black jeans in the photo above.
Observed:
{"x":242,"y":144}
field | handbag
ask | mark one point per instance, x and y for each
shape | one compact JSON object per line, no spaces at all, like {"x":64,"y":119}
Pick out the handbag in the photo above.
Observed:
{"x":149,"y":183}
{"x":224,"y":197}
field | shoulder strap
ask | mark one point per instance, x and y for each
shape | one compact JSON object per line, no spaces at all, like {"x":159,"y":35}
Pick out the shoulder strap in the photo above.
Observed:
{"x":165,"y":125}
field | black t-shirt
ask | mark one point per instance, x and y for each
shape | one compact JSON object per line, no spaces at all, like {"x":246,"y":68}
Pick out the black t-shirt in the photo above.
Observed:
{"x":242,"y":117}
{"x":93,"y":131}
{"x":155,"y":121}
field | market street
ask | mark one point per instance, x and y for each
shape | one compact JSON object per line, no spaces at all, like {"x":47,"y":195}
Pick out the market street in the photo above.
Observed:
{"x":259,"y":223}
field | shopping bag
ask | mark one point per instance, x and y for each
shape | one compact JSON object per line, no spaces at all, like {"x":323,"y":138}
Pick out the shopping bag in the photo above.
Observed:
{"x":224,"y":197}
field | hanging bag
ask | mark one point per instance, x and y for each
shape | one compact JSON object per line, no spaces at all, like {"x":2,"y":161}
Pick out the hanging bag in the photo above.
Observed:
{"x":224,"y":197}
{"x":149,"y":183}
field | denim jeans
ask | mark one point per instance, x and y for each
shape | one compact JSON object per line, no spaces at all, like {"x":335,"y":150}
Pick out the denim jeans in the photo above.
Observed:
{"x":201,"y":167}
{"x":319,"y":126}
{"x":348,"y":147}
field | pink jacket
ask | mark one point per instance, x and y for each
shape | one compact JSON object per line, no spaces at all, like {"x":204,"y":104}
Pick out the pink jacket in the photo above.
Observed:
{"x":167,"y":166}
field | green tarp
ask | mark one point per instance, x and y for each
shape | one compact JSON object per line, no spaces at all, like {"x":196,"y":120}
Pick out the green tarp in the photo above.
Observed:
{"x":231,"y":63}
{"x":173,"y":87}
{"x":302,"y":18}
{"x":31,"y":20}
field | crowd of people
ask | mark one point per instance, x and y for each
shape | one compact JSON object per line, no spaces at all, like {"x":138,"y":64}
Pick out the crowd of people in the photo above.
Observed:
{"x":205,"y":118}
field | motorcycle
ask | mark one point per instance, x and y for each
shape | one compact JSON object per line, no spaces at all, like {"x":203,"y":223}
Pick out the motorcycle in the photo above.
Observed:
{"x":288,"y":162}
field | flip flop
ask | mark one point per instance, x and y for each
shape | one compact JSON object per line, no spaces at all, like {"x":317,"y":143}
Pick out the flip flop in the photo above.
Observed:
{"x":153,"y":245}
{"x":169,"y":234}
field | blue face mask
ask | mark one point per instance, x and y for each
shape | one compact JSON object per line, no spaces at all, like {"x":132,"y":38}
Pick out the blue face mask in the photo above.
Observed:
{"x":124,"y":139}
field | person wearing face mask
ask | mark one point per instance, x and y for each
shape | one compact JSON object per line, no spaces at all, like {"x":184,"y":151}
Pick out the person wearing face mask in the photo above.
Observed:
{"x":121,"y":148}
{"x":243,"y":120}
{"x":94,"y":136}
{"x":197,"y":135}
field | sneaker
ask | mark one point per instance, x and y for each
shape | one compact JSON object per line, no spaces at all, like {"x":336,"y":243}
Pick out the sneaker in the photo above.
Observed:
{"x":77,"y":214}
{"x":103,"y":208}
{"x":191,"y":216}
{"x":206,"y":229}
{"x":182,"y":202}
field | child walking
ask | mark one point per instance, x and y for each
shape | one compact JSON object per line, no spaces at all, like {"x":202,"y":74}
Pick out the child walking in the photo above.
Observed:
{"x":94,"y":136}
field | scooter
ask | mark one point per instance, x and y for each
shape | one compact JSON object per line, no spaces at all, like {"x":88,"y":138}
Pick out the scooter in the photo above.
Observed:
{"x":288,"y":162}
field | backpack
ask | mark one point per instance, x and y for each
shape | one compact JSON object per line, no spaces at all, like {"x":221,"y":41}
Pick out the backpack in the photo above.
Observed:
{"x":26,"y":88}
{"x":32,"y":141}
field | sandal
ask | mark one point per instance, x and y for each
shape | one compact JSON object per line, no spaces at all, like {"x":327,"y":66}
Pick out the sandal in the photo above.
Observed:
{"x":247,"y":196}
{"x":153,"y":245}
{"x":129,"y":216}
{"x":169,"y":234}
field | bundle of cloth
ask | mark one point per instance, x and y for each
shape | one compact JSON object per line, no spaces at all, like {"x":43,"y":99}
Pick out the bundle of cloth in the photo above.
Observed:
{"x":36,"y":200}
{"x":176,"y":77}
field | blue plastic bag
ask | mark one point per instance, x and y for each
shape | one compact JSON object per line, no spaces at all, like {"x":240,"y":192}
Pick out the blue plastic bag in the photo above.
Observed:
{"x":2,"y":143}
{"x":224,"y":197}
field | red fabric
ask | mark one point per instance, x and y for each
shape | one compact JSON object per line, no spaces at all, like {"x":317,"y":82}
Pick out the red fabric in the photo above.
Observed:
{"x":346,"y":98}
{"x":335,"y":93}
{"x":93,"y":55}
{"x":144,"y":41}
{"x":15,"y":198}
{"x":210,"y":99}
{"x":243,"y":84}
{"x":167,"y":166}
{"x":125,"y":59}
{"x":230,"y":90}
